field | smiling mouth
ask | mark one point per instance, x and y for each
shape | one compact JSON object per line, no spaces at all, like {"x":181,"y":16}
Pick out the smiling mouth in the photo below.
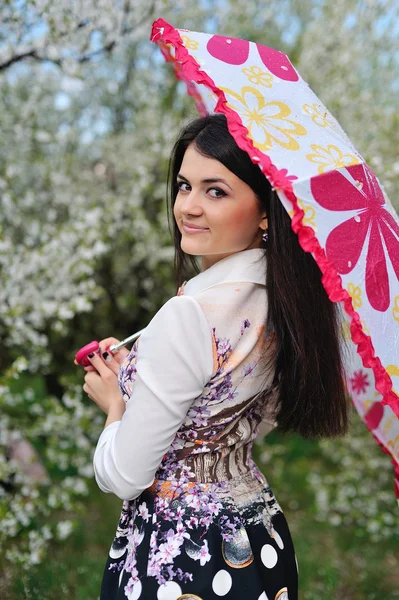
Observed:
{"x":194,"y":229}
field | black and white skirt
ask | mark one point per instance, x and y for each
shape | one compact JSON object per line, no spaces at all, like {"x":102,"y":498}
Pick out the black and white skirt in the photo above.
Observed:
{"x":202,"y":541}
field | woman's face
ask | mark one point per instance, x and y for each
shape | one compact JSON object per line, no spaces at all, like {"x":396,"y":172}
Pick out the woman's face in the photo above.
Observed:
{"x":223,"y":210}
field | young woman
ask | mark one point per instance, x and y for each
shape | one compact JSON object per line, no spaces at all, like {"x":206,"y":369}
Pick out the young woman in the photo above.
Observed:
{"x":251,"y":338}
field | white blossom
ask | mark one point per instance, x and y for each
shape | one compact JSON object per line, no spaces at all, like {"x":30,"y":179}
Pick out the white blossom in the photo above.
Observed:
{"x":88,"y":120}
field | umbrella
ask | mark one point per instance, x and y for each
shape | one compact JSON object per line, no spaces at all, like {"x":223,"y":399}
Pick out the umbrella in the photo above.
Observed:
{"x":339,"y":209}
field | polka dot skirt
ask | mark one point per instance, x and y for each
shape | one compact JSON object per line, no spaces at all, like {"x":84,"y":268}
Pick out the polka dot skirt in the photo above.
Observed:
{"x":200,"y":545}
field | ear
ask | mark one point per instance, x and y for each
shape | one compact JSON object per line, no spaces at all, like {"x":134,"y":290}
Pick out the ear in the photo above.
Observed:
{"x":264,"y":223}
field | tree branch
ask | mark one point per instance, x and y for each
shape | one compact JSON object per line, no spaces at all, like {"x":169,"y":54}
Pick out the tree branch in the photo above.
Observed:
{"x":108,"y":48}
{"x":31,"y":54}
{"x":125,"y":30}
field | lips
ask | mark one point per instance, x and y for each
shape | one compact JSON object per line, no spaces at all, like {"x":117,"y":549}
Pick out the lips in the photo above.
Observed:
{"x":191,"y":226}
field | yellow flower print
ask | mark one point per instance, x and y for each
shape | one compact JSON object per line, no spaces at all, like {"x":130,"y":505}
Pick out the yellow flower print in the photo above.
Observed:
{"x":310,"y":214}
{"x":366,"y":330}
{"x":393,"y":371}
{"x":345,"y":330}
{"x":387,"y":425}
{"x":393,"y":446}
{"x":267,"y":122}
{"x":370,"y":401}
{"x":330,"y":158}
{"x":367,"y":404}
{"x":189,"y":43}
{"x":356,"y":293}
{"x":320,"y":116}
{"x":395,"y":309}
{"x":259,"y":77}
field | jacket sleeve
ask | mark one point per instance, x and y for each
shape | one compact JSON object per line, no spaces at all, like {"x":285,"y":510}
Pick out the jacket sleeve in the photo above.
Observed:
{"x":174,"y":362}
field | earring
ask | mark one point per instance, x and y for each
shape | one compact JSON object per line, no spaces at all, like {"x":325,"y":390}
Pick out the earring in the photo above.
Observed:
{"x":265,"y":236}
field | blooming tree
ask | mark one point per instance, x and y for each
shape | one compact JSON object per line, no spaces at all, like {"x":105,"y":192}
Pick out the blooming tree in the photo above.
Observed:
{"x":88,"y":114}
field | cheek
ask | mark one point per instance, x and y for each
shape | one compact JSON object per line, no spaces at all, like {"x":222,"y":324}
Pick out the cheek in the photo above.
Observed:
{"x":241,"y":222}
{"x":237,"y":219}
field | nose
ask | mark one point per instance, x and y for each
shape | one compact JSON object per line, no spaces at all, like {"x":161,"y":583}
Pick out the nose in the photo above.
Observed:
{"x":190,"y":204}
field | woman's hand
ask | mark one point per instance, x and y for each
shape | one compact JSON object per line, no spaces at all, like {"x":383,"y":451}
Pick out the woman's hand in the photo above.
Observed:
{"x":101,"y":385}
{"x":118,"y":356}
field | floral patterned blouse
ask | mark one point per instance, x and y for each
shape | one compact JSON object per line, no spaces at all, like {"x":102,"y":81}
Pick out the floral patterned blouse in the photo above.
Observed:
{"x":190,"y":383}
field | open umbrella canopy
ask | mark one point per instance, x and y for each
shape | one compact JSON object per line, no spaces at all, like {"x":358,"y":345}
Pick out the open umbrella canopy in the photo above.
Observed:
{"x":339,"y":209}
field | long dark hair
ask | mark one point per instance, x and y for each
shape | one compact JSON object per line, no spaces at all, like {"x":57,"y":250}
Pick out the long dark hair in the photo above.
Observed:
{"x":309,"y":381}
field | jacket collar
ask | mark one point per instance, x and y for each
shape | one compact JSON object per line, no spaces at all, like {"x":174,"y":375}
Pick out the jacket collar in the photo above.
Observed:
{"x":247,"y":266}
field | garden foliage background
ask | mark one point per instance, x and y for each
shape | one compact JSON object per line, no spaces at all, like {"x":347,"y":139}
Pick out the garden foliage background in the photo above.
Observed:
{"x":88,"y":114}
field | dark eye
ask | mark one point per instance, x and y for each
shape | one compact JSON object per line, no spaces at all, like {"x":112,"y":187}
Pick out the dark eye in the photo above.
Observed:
{"x":217,"y":193}
{"x":180,"y":185}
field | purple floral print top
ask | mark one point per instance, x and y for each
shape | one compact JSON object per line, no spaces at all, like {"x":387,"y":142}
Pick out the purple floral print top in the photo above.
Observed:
{"x":191,"y":384}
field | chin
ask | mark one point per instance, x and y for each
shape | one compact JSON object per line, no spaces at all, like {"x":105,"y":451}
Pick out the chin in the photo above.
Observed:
{"x":189,"y":248}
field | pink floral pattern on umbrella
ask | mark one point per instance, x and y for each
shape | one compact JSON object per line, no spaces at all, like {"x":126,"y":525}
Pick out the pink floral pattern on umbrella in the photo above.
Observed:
{"x":231,"y":51}
{"x":359,"y":382}
{"x":373,"y":224}
{"x":235,"y":52}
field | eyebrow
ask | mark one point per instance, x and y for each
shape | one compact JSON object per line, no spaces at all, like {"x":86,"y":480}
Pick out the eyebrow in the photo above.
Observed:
{"x":209,"y":180}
